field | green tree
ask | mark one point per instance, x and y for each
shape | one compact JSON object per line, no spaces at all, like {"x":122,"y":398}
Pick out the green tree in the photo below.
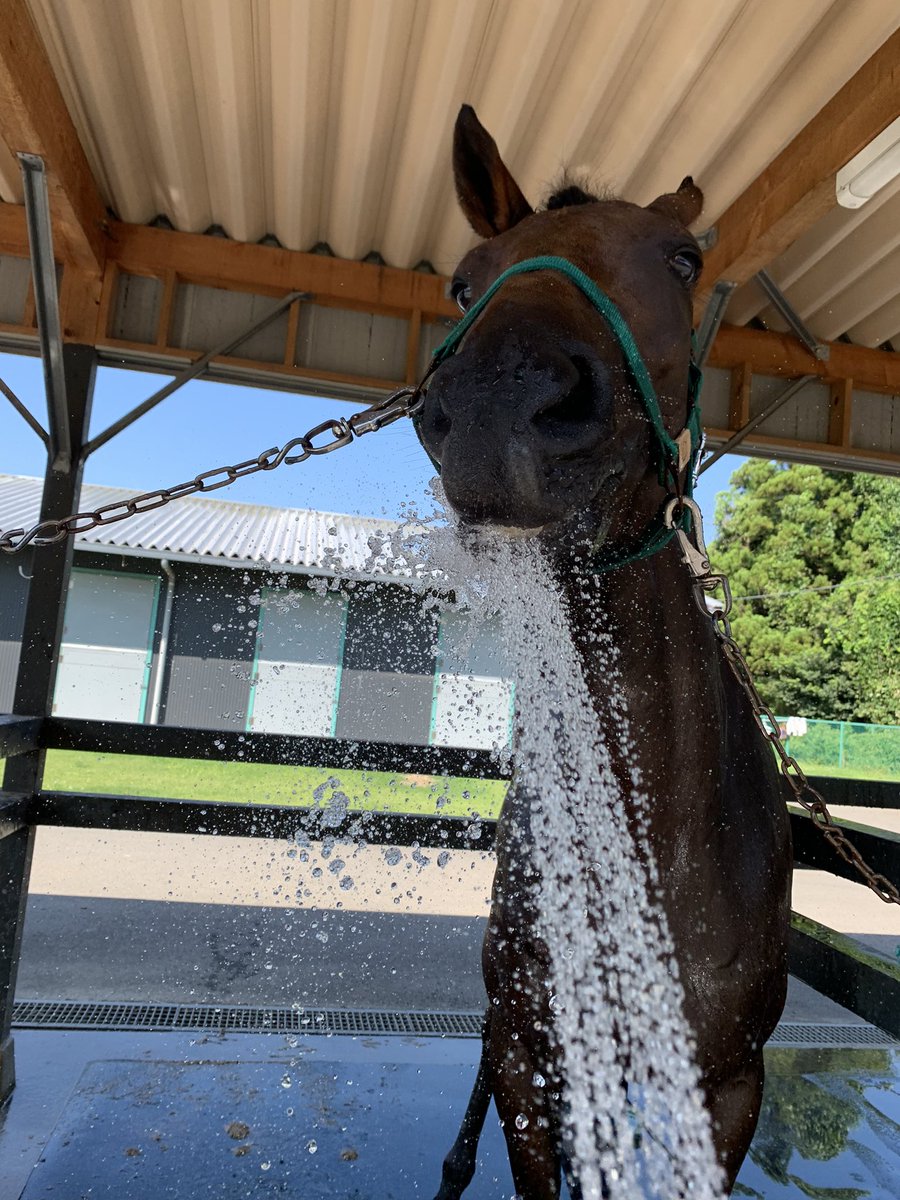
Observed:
{"x":813,"y":558}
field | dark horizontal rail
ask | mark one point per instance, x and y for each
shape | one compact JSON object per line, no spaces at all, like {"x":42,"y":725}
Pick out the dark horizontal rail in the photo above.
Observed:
{"x":847,"y":972}
{"x":859,"y":793}
{"x":156,"y":815}
{"x":18,"y":735}
{"x":15,"y":811}
{"x":879,"y":848}
{"x":120,"y":737}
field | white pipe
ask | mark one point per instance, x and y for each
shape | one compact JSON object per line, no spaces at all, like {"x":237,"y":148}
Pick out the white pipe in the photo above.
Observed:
{"x":156,"y":698}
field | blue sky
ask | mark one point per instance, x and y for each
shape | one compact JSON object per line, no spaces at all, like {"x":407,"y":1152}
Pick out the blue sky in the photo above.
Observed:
{"x":208,"y":424}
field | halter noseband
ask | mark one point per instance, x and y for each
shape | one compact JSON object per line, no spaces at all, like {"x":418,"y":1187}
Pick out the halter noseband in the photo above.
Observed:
{"x":671,"y":459}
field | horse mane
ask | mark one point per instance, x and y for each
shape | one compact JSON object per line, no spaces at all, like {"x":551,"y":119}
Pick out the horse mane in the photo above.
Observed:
{"x":573,"y":188}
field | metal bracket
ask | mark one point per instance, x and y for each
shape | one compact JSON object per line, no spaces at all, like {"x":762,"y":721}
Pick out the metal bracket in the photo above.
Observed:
{"x":816,"y":348}
{"x":707,"y":238}
{"x":25,"y":413}
{"x":192,"y":371}
{"x":736,"y":438}
{"x":713,"y":316}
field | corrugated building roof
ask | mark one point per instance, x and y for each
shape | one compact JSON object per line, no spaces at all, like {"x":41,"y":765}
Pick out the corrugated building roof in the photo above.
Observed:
{"x":200,"y":528}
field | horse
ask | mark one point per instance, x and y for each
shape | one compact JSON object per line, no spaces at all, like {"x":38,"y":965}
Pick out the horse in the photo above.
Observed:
{"x":536,"y":423}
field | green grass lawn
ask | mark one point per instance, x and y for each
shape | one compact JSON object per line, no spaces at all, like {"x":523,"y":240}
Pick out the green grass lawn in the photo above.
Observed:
{"x":252,"y":783}
{"x":828,"y":772}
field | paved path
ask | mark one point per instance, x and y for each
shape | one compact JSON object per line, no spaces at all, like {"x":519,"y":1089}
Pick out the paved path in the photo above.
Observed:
{"x":169,"y":917}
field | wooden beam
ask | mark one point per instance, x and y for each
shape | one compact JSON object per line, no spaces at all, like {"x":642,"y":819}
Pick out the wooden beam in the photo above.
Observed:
{"x":798,"y":187}
{"x":848,"y":458}
{"x":270,"y":270}
{"x":13,"y":232}
{"x":739,"y":401}
{"x":839,"y":412}
{"x":80,"y":296}
{"x":770,"y":353}
{"x":242,"y":266}
{"x":34,"y":120}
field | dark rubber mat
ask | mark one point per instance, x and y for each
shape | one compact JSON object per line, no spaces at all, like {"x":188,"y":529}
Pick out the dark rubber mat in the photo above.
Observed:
{"x":345,"y":1129}
{"x":198,"y":1131}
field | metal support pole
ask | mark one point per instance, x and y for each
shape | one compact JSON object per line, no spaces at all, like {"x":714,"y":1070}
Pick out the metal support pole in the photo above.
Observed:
{"x":25,"y":413}
{"x":41,"y":639}
{"x":46,"y":303}
{"x":781,"y":303}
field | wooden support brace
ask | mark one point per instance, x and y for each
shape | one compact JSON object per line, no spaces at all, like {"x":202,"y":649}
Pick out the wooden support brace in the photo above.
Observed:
{"x":739,"y":404}
{"x":839,"y":412}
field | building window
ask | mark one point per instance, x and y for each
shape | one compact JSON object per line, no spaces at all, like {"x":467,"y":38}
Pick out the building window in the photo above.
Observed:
{"x":297,"y":672}
{"x":107,"y":646}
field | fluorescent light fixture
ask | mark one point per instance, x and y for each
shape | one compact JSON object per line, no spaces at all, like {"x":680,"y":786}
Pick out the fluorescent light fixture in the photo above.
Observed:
{"x":872,"y":169}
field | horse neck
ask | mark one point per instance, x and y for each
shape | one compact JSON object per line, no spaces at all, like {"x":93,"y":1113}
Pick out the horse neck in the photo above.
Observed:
{"x":668,"y":664}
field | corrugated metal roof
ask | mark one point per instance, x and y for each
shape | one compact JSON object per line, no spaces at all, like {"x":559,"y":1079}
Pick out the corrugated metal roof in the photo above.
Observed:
{"x":330,"y":120}
{"x":254,"y":535}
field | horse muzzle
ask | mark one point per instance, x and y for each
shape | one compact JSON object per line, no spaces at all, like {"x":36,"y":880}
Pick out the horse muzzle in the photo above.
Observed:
{"x":519,"y":433}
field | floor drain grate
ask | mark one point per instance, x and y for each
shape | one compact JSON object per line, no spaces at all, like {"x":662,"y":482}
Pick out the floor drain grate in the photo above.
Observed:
{"x":44,"y":1014}
{"x":801,"y":1033}
{"x":63,"y":1014}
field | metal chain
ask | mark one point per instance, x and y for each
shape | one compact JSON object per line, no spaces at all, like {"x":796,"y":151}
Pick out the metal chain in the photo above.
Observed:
{"x":403,"y":403}
{"x":705,"y":580}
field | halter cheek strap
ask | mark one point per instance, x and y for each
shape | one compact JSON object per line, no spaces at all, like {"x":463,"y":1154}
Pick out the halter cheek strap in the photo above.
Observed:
{"x":673,"y":455}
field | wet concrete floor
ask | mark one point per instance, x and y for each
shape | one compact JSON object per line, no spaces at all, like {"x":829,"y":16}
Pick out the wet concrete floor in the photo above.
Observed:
{"x":150,"y":1116}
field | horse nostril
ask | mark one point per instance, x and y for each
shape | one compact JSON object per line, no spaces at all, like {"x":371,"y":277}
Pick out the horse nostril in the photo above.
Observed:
{"x":574,"y":407}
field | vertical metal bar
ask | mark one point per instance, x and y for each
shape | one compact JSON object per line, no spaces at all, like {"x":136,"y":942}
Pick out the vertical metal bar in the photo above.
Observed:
{"x":46,"y":299}
{"x":41,"y":639}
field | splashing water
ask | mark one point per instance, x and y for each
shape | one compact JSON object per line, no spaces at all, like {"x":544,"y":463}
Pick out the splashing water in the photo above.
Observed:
{"x":632,"y":1113}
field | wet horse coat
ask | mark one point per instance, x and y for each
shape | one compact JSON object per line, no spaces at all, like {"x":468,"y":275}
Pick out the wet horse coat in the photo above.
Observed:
{"x":536,"y":425}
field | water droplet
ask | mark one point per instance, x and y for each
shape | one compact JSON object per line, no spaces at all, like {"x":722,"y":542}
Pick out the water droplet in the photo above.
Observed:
{"x":521,"y":1121}
{"x":312,"y":1146}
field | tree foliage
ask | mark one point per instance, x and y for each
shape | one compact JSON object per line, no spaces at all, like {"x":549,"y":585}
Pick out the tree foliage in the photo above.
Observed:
{"x":813,"y":558}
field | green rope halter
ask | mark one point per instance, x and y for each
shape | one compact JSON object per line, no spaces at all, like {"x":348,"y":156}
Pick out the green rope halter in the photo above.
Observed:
{"x":666,"y":449}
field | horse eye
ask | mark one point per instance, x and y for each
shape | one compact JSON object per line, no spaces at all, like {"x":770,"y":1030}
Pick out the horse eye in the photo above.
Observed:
{"x":687,"y":265}
{"x":461,"y":293}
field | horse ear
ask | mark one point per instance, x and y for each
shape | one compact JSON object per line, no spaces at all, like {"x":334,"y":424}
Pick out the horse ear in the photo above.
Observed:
{"x":685,"y":205}
{"x":488,"y":195}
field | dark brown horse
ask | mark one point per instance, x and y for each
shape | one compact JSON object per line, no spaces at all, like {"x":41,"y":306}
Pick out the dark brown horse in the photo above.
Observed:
{"x":536,"y":424}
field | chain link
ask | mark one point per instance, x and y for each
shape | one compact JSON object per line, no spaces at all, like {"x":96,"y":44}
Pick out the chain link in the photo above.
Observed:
{"x":694,"y":555}
{"x":324,"y":438}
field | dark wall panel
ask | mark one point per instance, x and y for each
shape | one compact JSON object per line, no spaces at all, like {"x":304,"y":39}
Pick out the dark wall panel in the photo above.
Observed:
{"x":211,"y":647}
{"x":387,"y":682}
{"x":13,"y":594}
{"x":382,"y":706}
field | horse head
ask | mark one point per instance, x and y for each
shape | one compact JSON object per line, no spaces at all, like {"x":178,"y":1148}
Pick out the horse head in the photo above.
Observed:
{"x":536,"y":421}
